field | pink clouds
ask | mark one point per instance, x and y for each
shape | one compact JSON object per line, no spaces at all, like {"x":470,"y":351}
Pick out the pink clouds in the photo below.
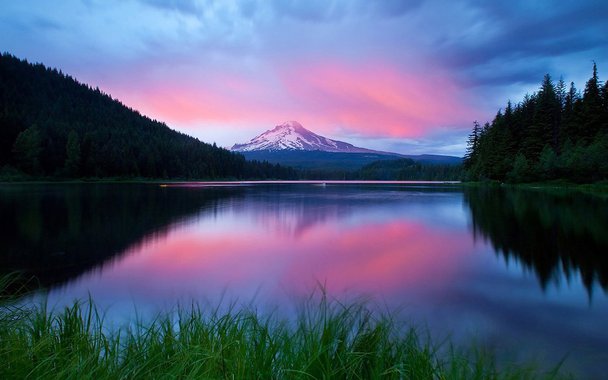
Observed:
{"x":374,"y":98}
{"x":401,"y":74}
{"x":181,"y":98}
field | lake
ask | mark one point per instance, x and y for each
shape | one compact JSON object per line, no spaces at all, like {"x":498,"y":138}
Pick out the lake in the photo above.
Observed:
{"x":522,"y":272}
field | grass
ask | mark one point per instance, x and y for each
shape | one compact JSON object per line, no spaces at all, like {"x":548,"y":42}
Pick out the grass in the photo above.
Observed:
{"x":327,"y":340}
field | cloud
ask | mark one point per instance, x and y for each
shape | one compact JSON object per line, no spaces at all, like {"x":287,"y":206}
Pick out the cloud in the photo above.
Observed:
{"x":183,"y":6}
{"x":336,"y":10}
{"x":536,"y":32}
{"x":392,"y":8}
{"x":311,"y":10}
{"x":373,"y":98}
{"x":384,"y":70}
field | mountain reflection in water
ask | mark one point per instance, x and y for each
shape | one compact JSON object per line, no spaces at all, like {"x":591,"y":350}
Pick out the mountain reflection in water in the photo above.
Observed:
{"x":58,"y":232}
{"x":522,"y":271}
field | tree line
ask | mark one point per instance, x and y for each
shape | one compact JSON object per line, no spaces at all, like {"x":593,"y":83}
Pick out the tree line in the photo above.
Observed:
{"x":402,"y":169}
{"x":406,"y":169}
{"x":555,"y":133}
{"x":53,"y":126}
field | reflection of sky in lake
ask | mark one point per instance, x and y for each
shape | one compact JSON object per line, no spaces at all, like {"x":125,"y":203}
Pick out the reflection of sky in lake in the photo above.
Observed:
{"x":411,"y":251}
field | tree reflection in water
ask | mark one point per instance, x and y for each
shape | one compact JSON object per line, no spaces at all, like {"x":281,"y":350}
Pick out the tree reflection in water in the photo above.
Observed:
{"x":557,"y":235}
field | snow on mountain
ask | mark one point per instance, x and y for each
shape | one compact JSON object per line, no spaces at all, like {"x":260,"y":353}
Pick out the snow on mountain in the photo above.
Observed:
{"x":292,"y":135}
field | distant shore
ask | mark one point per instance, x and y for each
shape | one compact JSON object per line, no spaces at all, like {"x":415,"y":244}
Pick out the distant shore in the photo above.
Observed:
{"x":554,"y":186}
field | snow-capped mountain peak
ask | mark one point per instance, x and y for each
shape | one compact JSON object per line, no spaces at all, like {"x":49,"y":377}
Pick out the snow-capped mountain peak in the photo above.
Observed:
{"x":291,"y":135}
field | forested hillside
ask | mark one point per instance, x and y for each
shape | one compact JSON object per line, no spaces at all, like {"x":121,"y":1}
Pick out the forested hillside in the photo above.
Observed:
{"x":556,"y":133}
{"x":53,"y":126}
{"x":406,"y":169}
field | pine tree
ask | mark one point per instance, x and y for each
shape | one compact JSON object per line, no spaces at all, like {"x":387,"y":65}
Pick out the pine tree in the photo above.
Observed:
{"x":499,"y":141}
{"x":114,"y":140}
{"x":520,"y":171}
{"x":550,"y":134}
{"x":72,"y":151}
{"x":571,"y":97}
{"x":26,"y":150}
{"x":472,"y":146}
{"x":605,"y":96}
{"x":604,"y":127}
{"x":546,"y":117}
{"x":514,"y":133}
{"x":592,"y":107}
{"x":570,"y":123}
{"x":560,"y":91}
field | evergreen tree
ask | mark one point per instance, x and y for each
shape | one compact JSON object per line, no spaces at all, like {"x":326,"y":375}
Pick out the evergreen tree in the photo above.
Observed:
{"x":550,"y":134}
{"x":547,"y":163}
{"x":472,"y":146}
{"x":592,"y":106}
{"x":520,"y":171}
{"x":26,"y":150}
{"x":560,"y":92}
{"x":571,"y":97}
{"x":72,"y":151}
{"x":545,"y":119}
{"x":569,"y":120}
{"x":498,"y":139}
{"x":116,"y":141}
{"x":604,"y":126}
{"x":605,"y":96}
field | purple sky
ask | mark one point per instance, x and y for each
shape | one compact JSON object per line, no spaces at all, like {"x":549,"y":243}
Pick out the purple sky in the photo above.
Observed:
{"x":403,"y":76}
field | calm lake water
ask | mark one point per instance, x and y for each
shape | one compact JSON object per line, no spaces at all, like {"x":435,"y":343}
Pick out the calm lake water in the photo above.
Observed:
{"x":522,"y":272}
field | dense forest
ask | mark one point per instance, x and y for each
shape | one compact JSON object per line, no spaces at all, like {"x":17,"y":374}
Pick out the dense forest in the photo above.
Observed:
{"x":406,"y":169}
{"x":402,"y":169}
{"x":555,"y":133}
{"x":53,"y":126}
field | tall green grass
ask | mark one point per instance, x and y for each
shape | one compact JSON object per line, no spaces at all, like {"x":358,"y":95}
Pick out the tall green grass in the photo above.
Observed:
{"x":327,"y":340}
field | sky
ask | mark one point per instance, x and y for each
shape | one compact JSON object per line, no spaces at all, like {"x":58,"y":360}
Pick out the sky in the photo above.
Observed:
{"x":402,"y":76}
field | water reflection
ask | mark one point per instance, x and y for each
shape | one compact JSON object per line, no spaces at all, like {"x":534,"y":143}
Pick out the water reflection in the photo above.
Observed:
{"x":356,"y":237}
{"x":459,"y":261}
{"x":57,"y":232}
{"x":558,"y":236}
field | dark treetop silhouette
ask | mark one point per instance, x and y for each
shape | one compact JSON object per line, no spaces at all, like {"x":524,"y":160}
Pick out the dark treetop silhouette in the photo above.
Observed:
{"x":53,"y":126}
{"x":554,"y":133}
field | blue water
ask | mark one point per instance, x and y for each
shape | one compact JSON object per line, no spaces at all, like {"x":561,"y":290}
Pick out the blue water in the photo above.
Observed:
{"x":521,"y":272}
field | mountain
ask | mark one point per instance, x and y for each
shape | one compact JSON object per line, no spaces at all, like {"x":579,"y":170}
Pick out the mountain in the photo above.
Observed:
{"x":291,"y":135}
{"x":293,"y":145}
{"x":53,"y":126}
